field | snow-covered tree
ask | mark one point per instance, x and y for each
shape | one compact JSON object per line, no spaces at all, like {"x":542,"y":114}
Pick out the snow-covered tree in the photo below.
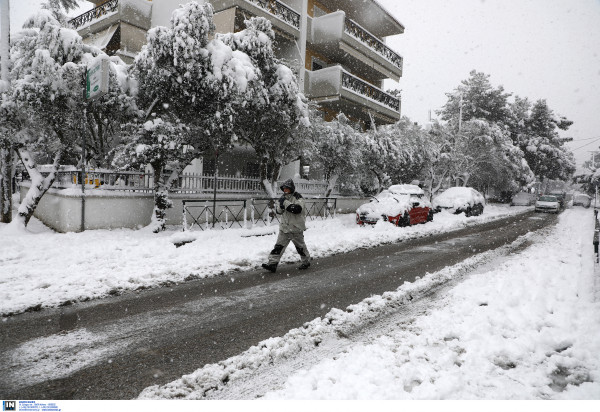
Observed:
{"x":186,"y":78}
{"x":488,"y":158}
{"x":162,"y":145}
{"x":336,"y":148}
{"x":417,"y":149}
{"x":49,"y":63}
{"x":478,"y":100}
{"x":393,"y":154}
{"x":267,"y":121}
{"x":534,"y":129}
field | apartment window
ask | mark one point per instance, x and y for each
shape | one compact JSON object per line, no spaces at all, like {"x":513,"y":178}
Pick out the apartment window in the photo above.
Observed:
{"x":317,"y":64}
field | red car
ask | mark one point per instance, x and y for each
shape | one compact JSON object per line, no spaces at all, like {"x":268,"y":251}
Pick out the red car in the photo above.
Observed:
{"x":401,"y":205}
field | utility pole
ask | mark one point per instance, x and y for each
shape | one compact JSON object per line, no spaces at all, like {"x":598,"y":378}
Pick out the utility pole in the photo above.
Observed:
{"x":6,"y":149}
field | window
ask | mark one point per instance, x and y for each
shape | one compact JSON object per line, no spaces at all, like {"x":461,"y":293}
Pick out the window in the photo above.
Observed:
{"x":317,"y":64}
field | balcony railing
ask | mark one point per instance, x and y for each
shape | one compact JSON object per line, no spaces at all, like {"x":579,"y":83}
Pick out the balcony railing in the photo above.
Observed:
{"x":280,"y":10}
{"x":362,"y":35}
{"x":105,"y":8}
{"x":365,"y":89}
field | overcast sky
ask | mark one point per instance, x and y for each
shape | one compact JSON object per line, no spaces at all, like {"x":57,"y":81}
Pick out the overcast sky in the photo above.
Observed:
{"x":540,"y":49}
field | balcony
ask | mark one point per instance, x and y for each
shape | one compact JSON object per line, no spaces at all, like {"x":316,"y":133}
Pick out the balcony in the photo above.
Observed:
{"x":283,"y":17}
{"x":339,"y":90}
{"x":137,"y":13}
{"x":104,"y":9}
{"x":348,"y":43}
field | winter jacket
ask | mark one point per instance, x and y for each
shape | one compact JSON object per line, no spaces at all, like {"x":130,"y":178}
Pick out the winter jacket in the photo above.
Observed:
{"x":293,"y":219}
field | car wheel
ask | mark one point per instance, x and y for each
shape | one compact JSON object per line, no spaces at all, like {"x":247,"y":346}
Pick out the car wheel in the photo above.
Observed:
{"x":430,"y":216}
{"x":404,"y":220}
{"x":478,"y":209}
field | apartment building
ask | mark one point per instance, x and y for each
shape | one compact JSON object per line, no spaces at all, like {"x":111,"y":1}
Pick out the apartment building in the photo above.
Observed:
{"x":337,"y":47}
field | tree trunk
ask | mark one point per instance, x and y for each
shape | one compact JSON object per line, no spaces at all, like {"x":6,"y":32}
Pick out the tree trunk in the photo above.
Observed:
{"x":331,"y":184}
{"x":6,"y":155}
{"x":39,"y":186}
{"x":161,"y":200}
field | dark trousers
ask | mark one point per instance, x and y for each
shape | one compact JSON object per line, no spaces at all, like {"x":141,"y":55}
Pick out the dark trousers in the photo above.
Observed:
{"x":283,"y":240}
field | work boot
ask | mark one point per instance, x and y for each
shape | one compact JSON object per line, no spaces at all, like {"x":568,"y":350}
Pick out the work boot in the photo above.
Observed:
{"x":271,"y":267}
{"x":303,"y":266}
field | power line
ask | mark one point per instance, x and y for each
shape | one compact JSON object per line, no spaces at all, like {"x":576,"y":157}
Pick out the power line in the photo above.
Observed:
{"x":587,"y":144}
{"x":589,"y":138}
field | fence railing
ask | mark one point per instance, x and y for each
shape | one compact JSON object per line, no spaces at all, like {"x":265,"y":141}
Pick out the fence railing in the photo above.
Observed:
{"x":361,"y":87}
{"x":355,"y":30}
{"x":95,"y":13}
{"x":188,"y":183}
{"x":246,"y":214}
{"x":280,"y":10}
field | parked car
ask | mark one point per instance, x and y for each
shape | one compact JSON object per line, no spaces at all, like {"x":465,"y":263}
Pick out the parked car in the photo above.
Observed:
{"x":523,"y":199}
{"x":460,"y":200}
{"x":547,"y":203}
{"x":401,"y":205}
{"x":581,"y":199}
{"x":561,"y":196}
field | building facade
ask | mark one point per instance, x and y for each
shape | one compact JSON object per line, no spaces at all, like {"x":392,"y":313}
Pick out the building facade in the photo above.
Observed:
{"x":336,"y":47}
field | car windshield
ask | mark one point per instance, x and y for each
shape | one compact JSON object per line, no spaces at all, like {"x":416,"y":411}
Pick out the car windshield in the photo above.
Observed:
{"x":548,"y":199}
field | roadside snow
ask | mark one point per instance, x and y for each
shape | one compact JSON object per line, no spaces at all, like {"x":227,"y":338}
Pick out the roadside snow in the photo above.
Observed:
{"x":40,"y":268}
{"x":526,"y":327}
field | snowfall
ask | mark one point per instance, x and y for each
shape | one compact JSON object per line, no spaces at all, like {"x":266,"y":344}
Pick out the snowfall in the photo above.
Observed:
{"x":519,"y":322}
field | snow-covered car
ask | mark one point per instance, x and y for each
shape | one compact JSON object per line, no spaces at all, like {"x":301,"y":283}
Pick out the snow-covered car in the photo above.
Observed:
{"x":547,"y":203}
{"x":523,"y":199}
{"x":460,"y":200}
{"x":401,"y":205}
{"x":581,"y":199}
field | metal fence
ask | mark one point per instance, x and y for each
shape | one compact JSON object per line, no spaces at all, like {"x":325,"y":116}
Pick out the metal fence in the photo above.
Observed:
{"x":188,"y":183}
{"x":229,"y":213}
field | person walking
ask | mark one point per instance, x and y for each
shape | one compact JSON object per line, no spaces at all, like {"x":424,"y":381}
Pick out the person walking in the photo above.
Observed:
{"x":292,"y":209}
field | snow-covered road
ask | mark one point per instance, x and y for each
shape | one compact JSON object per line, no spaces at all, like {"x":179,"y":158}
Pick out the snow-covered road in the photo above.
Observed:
{"x":517,"y":323}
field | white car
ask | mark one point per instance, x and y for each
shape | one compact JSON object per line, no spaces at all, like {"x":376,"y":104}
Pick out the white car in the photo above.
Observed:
{"x":401,"y":205}
{"x":460,"y":200}
{"x":581,"y":199}
{"x":547,"y":203}
{"x":523,"y":199}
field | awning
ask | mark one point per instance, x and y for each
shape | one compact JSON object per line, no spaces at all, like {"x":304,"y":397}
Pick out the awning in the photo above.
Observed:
{"x":102,"y":38}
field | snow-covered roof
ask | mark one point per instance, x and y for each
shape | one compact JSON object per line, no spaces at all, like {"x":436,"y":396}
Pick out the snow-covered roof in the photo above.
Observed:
{"x":406,"y":189}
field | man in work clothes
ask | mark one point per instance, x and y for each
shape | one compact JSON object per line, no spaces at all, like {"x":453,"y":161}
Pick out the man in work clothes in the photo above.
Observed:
{"x":291,"y":229}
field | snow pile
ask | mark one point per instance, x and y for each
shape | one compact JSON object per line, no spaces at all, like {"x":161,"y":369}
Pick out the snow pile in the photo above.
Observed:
{"x":526,"y":328}
{"x":48,"y":269}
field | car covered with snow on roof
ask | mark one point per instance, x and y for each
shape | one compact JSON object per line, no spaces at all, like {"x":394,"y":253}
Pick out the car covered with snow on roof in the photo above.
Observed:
{"x":548,"y":203}
{"x":460,"y":200}
{"x":401,"y":205}
{"x":581,"y":199}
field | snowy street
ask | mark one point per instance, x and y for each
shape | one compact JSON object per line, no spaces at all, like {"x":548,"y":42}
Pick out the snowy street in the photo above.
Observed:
{"x":522,"y":325}
{"x":114,"y":337}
